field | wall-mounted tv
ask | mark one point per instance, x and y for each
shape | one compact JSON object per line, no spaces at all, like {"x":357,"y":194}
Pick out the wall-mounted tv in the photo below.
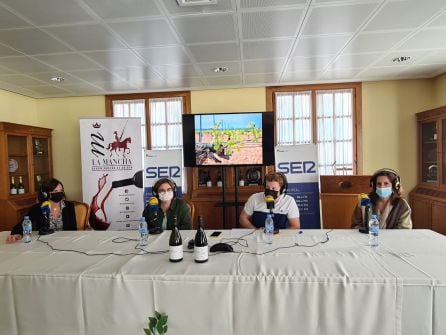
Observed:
{"x":227,"y":139}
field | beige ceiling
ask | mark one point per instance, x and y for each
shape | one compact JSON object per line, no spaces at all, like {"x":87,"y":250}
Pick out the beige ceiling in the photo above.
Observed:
{"x":118,"y":46}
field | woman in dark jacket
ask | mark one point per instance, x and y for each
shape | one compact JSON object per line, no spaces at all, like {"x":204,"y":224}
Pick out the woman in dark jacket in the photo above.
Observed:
{"x":51,"y":213}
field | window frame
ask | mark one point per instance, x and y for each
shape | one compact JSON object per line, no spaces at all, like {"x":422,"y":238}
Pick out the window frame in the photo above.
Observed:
{"x":357,"y":112}
{"x":146,"y":97}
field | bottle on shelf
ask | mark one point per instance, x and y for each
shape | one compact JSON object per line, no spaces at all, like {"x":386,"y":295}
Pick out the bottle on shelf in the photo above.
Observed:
{"x":434,"y":136}
{"x":143,"y":232}
{"x":373,"y":231}
{"x":269,"y":229}
{"x":241,"y":181}
{"x":201,"y":250}
{"x":12,"y":187}
{"x":219,"y":181}
{"x":20,"y":187}
{"x":209,"y":182}
{"x":175,"y":243}
{"x":27,"y":229}
{"x":38,"y":182}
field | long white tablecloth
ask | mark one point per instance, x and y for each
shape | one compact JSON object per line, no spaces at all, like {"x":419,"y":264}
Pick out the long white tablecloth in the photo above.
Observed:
{"x":338,"y":287}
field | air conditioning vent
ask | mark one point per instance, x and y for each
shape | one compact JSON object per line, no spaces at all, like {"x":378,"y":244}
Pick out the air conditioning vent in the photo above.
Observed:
{"x":184,"y":3}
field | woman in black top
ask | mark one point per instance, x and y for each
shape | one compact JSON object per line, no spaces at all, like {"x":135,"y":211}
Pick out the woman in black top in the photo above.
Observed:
{"x":52,"y":212}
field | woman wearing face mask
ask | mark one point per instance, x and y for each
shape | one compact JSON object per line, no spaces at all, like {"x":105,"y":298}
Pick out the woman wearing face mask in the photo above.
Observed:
{"x":393,"y":211}
{"x":52,"y":212}
{"x":169,"y":206}
{"x":284,"y":207}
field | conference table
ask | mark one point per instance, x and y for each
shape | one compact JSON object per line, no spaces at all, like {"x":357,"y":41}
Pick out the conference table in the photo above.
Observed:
{"x":306,"y":282}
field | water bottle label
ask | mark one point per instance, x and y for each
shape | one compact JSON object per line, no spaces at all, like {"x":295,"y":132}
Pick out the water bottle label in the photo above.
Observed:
{"x":269,"y":228}
{"x":374,"y":229}
{"x":143,"y":231}
{"x":176,"y":252}
{"x":201,"y":253}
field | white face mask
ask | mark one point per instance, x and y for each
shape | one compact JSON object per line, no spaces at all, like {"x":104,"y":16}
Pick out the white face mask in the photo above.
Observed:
{"x":165,"y":196}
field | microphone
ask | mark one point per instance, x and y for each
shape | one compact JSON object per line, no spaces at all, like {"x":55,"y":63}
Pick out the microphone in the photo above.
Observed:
{"x":153,"y":209}
{"x":46,"y":211}
{"x":366,"y":209}
{"x":269,"y":202}
{"x":135,"y":180}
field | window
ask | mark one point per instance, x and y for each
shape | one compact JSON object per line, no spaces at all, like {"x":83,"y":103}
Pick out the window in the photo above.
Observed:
{"x":161,"y":111}
{"x":327,"y":115}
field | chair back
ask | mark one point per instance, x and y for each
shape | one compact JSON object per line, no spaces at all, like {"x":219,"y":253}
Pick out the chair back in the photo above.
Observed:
{"x":82,"y":211}
{"x":191,"y":206}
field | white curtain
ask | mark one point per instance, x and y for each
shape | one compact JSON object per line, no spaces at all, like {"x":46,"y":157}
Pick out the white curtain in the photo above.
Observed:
{"x":165,"y":123}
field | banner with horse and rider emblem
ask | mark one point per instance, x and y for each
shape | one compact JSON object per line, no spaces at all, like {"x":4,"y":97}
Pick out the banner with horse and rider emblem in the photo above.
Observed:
{"x":112,"y":175}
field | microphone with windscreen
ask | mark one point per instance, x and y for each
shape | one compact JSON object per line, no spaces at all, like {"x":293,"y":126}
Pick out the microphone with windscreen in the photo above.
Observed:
{"x":46,"y":211}
{"x":366,"y":210}
{"x":135,"y":180}
{"x":269,"y":202}
{"x":153,"y":209}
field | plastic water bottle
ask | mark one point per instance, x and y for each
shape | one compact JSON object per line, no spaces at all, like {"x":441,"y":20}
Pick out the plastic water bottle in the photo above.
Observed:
{"x":143,"y":232}
{"x":27,"y":229}
{"x":373,"y":231}
{"x":269,"y":229}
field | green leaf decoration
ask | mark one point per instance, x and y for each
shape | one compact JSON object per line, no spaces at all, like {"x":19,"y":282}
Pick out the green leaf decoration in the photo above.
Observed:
{"x":147,"y":331}
{"x":163,"y":319}
{"x":157,"y":315}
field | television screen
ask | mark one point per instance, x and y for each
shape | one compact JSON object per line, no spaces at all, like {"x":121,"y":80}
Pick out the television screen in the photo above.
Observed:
{"x":228,"y":139}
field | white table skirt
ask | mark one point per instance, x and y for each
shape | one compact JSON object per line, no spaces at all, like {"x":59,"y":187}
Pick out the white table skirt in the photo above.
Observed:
{"x":338,"y":287}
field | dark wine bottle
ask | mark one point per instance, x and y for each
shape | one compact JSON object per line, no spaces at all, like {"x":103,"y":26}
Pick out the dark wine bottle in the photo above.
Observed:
{"x":201,"y":250}
{"x":175,"y":243}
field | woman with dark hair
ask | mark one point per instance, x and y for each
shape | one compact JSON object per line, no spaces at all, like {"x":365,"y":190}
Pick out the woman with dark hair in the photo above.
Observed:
{"x":392,"y":210}
{"x":51,"y":213}
{"x":159,"y":215}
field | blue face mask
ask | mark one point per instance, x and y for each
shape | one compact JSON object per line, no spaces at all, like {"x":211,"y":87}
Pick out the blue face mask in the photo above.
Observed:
{"x":384,"y":192}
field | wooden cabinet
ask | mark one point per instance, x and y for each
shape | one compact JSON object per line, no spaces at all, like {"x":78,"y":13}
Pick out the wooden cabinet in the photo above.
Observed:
{"x":428,"y":198}
{"x":26,"y":161}
{"x":219,"y":193}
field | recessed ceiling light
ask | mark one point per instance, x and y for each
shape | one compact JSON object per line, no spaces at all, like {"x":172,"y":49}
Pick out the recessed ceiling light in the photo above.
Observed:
{"x":220,"y":69}
{"x":401,"y":59}
{"x":57,"y":79}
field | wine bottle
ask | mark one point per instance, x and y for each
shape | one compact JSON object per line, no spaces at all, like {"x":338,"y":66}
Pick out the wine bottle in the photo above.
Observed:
{"x":175,"y":243}
{"x":12,"y":187}
{"x":201,"y":250}
{"x":21,"y":187}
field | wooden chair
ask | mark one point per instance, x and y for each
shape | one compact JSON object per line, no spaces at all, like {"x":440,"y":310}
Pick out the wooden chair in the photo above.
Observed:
{"x":82,"y":211}
{"x":191,"y":206}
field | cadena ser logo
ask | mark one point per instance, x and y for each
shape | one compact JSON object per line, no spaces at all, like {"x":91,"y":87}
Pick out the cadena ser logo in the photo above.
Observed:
{"x":110,"y":153}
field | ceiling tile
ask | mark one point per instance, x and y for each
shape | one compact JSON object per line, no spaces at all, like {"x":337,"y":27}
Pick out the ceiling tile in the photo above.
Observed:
{"x":278,"y":23}
{"x":84,"y":89}
{"x":19,"y":80}
{"x":381,"y":72}
{"x":46,"y":78}
{"x":6,"y":51}
{"x":262,"y":78}
{"x":164,"y":55}
{"x":424,"y":71}
{"x":111,"y":9}
{"x":244,"y":4}
{"x":115,"y":58}
{"x":266,"y":49}
{"x":300,"y":76}
{"x":31,"y":41}
{"x":173,"y":8}
{"x":94,"y":76}
{"x":234,"y":68}
{"x":68,"y":61}
{"x":341,"y":74}
{"x":320,"y":46}
{"x":48,"y":90}
{"x":206,"y":28}
{"x":355,"y":61}
{"x":87,"y":37}
{"x":337,"y":19}
{"x":224,"y":81}
{"x":438,"y":57}
{"x":115,"y":86}
{"x":49,"y":11}
{"x":9,"y":20}
{"x":404,"y":14}
{"x":136,"y":74}
{"x":173,"y":72}
{"x":260,"y":66}
{"x":439,"y":22}
{"x":24,"y":64}
{"x":426,"y":39}
{"x":297,"y":64}
{"x":215,"y":52}
{"x":370,"y":42}
{"x":145,"y":33}
{"x":187,"y":82}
